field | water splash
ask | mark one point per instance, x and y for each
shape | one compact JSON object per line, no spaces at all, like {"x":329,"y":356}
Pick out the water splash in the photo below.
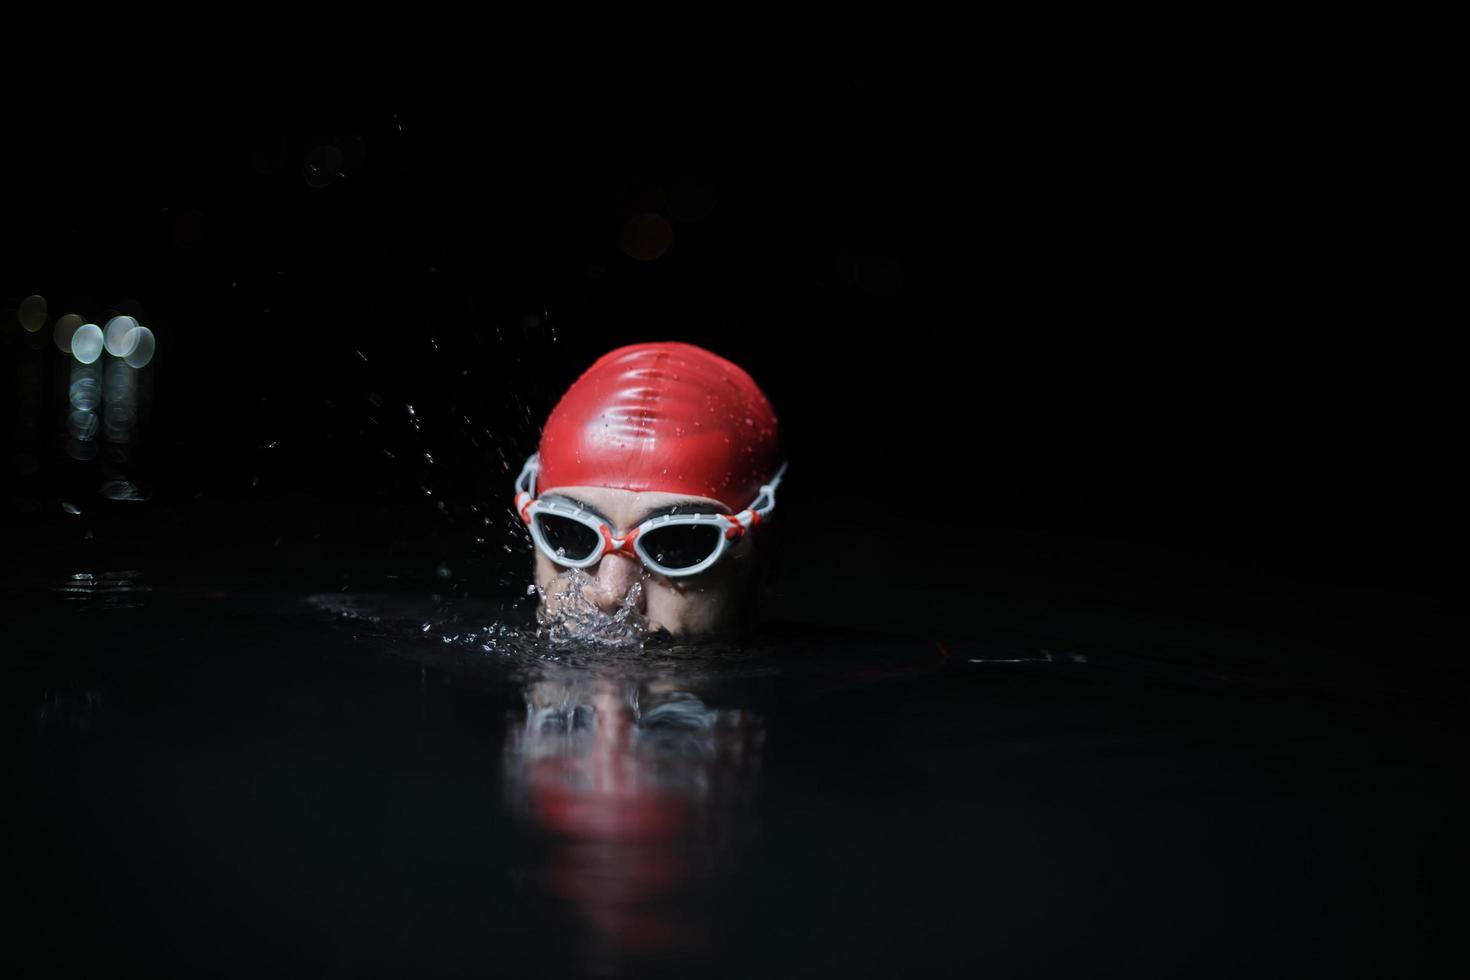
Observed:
{"x":568,"y":618}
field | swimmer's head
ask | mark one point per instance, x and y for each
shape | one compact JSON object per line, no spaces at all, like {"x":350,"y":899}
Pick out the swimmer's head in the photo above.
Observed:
{"x":659,"y":431}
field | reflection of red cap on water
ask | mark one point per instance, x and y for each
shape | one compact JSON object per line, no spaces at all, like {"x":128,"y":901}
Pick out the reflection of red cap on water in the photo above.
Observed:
{"x":621,"y":855}
{"x":664,"y":416}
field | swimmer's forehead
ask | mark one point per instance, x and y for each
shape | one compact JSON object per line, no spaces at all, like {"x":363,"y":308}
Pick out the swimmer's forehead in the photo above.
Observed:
{"x":635,"y":506}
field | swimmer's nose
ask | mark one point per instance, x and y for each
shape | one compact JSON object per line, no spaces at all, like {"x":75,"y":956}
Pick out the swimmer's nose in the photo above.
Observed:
{"x":611,"y":582}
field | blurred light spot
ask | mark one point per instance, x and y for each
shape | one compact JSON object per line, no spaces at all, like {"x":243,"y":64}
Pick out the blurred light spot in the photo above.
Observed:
{"x":86,"y":343}
{"x":323,"y":165}
{"x":85,"y":392}
{"x":691,"y":198}
{"x":646,"y":237}
{"x":120,"y":409}
{"x":82,"y":425}
{"x":117,"y":334}
{"x":143,"y":345}
{"x":70,"y":507}
{"x":65,"y":328}
{"x":32,"y":313}
{"x":119,"y":414}
{"x":119,"y":380}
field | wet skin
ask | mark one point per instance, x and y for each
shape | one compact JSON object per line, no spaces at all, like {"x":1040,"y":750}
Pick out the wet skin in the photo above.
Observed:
{"x":717,"y":602}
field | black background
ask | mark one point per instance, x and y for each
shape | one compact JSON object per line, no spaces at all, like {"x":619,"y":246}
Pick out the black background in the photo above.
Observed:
{"x":1102,"y":336}
{"x":1127,"y":354}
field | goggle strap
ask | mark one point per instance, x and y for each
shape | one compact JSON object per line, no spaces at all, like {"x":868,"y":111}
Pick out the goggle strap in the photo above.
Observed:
{"x":738,"y":524}
{"x":768,"y":493}
{"x":526,"y":482}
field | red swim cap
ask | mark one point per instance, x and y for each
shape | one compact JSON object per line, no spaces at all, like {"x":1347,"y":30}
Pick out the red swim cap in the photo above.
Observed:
{"x":666,"y":416}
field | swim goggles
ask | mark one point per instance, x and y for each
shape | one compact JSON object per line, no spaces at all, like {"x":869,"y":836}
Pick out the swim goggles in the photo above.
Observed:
{"x":672,"y":544}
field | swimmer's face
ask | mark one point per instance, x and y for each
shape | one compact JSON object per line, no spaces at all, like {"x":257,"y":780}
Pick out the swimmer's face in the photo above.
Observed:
{"x":715,"y":602}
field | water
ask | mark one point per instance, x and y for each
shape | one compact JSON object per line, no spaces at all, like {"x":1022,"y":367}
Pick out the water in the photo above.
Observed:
{"x":243,"y":782}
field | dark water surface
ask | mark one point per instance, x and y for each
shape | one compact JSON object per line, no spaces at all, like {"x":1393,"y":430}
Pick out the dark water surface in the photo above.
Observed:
{"x":243,"y":783}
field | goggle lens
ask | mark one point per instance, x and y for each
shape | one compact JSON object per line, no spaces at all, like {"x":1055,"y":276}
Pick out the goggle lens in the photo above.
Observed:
{"x":680,"y":546}
{"x":567,"y":538}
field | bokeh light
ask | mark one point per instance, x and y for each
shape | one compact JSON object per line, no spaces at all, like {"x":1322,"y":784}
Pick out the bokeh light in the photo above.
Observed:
{"x":646,"y":237}
{"x":119,"y":334}
{"x":85,"y":395}
{"x":119,"y":382}
{"x":82,"y":425}
{"x":86,"y":343}
{"x":66,"y":327}
{"x":142,"y":344}
{"x":120,"y":409}
{"x":32,"y":313}
{"x":85,"y":392}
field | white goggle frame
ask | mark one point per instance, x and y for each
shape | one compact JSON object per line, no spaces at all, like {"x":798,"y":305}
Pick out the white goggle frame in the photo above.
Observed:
{"x":734,"y":526}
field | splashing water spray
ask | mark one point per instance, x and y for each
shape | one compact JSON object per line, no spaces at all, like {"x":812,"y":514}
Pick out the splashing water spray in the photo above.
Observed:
{"x":576,"y":620}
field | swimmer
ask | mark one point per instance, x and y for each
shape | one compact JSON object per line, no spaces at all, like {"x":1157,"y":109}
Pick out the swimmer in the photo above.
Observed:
{"x":648,"y":495}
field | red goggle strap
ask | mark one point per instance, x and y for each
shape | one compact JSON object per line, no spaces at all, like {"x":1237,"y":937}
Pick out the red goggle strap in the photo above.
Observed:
{"x":740,"y":523}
